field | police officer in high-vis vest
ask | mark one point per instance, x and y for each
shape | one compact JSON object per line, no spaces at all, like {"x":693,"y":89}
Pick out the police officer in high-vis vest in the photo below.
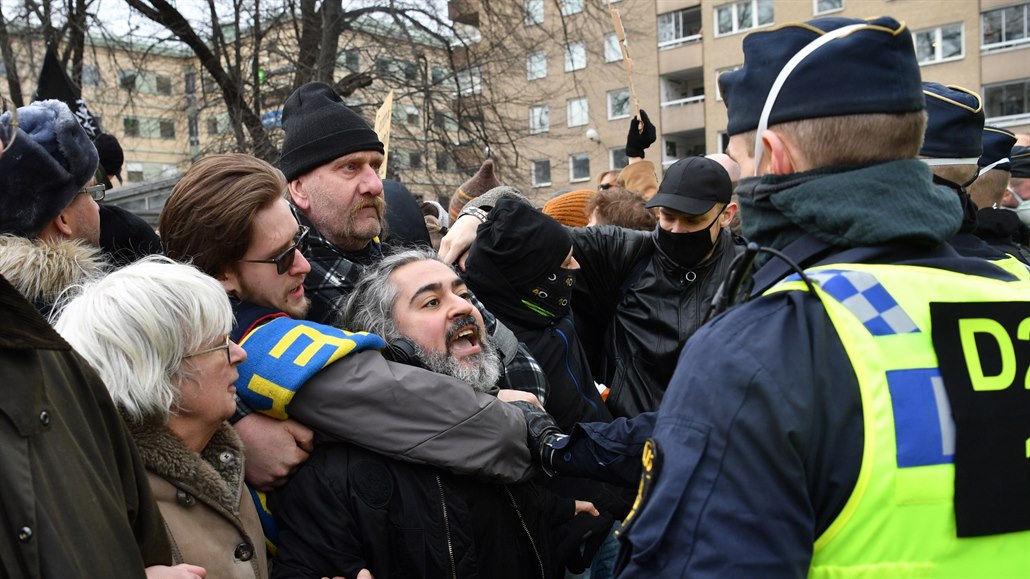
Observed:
{"x":867,"y":412}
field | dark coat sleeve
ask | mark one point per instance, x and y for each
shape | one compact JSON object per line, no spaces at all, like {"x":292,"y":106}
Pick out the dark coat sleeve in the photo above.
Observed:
{"x":416,"y":416}
{"x":606,"y":451}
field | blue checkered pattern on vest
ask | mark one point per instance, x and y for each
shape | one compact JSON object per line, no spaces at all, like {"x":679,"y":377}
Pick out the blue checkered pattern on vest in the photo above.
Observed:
{"x":861,"y":294}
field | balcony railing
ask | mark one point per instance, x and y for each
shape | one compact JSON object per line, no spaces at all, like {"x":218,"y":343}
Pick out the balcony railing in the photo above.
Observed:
{"x":682,"y":102}
{"x":665,"y":45}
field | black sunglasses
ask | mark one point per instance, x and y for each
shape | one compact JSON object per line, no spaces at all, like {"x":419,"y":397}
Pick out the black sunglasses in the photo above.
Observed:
{"x":284,"y":261}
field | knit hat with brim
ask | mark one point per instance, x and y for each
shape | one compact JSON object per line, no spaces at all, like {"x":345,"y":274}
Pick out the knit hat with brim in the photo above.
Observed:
{"x":50,"y":161}
{"x":570,"y":208}
{"x":320,"y":128}
{"x":483,"y":181}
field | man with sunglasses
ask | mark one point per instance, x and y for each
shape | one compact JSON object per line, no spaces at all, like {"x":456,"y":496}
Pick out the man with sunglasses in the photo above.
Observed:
{"x":48,"y":203}
{"x":227,"y":216}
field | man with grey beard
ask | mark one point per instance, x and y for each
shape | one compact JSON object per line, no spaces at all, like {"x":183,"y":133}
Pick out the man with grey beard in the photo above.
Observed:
{"x":423,"y":309}
{"x":455,"y":526}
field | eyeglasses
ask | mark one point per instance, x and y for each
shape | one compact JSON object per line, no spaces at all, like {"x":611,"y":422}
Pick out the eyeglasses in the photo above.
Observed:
{"x":284,"y":261}
{"x":224,"y":346}
{"x":12,"y":126}
{"x":97,"y":192}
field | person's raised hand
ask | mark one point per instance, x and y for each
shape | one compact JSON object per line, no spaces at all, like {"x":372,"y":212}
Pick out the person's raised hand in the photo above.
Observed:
{"x":640,"y":137}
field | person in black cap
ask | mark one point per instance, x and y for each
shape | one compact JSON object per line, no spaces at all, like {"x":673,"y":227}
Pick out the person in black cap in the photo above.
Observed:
{"x":1018,"y":192}
{"x":641,"y":295}
{"x":840,"y":423}
{"x":953,"y":147}
{"x":998,"y":226}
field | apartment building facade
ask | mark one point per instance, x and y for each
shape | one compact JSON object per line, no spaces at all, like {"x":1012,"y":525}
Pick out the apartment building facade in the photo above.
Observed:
{"x":680,"y":47}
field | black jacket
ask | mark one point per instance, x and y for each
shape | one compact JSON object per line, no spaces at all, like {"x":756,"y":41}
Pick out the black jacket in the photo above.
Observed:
{"x":634,"y":310}
{"x":349,"y":509}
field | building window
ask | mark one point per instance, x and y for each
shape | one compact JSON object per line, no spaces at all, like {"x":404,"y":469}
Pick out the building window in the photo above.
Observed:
{"x":470,"y":81}
{"x":541,"y":173}
{"x":569,"y":7}
{"x":939,"y":44}
{"x":130,"y":126}
{"x":1008,"y":99}
{"x":678,"y":27}
{"x":166,"y":129}
{"x":618,"y":104}
{"x":212,"y":126}
{"x":445,"y":161}
{"x":745,"y":15}
{"x":1005,"y":27}
{"x":536,"y":65}
{"x":406,"y":115}
{"x":163,"y":84}
{"x":350,"y":59}
{"x":612,"y":49}
{"x":824,"y":6}
{"x":539,"y":119}
{"x":127,"y":80}
{"x":534,"y":12}
{"x":579,"y":167}
{"x":134,"y":172}
{"x":577,"y":112}
{"x":90,"y":76}
{"x":617,"y":158}
{"x":575,"y":56}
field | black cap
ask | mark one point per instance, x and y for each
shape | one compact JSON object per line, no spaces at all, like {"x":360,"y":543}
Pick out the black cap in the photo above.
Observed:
{"x":997,"y":143}
{"x":954,"y":122}
{"x":873,"y":69}
{"x":693,"y":185}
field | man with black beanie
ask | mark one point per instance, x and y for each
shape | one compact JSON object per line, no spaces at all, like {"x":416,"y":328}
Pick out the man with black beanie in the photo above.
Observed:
{"x":331,"y":159}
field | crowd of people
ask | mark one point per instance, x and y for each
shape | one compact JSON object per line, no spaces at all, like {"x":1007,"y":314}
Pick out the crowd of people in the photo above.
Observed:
{"x":807,"y":355}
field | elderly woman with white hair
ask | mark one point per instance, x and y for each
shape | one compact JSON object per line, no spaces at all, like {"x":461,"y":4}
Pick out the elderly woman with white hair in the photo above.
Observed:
{"x":156,"y":332}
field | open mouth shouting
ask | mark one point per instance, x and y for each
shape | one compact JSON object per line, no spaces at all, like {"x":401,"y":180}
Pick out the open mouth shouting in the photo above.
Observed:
{"x":463,"y":339}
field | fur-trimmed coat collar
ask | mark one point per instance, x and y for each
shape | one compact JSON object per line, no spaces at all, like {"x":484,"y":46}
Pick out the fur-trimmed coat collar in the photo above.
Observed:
{"x":42,"y":269}
{"x":208,"y":475}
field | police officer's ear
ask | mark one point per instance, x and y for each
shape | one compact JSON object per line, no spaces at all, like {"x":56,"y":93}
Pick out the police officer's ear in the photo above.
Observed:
{"x":779,"y":158}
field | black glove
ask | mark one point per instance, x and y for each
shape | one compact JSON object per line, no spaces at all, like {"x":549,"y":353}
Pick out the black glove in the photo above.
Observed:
{"x":540,"y":429}
{"x":637,"y":141}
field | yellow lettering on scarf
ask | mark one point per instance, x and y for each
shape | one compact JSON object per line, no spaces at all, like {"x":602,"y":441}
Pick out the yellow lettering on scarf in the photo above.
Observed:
{"x":342,"y":346}
{"x":279,"y":396}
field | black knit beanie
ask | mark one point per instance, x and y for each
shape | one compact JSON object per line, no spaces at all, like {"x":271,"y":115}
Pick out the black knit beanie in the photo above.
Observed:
{"x":526,"y":244}
{"x":320,"y":128}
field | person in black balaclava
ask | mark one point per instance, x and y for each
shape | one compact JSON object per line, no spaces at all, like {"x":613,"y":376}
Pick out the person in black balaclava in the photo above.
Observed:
{"x":522,"y":268}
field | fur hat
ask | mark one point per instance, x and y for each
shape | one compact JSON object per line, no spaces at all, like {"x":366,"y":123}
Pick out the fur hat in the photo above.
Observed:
{"x":483,"y":181}
{"x":570,"y":208}
{"x":50,"y":161}
{"x":320,"y":128}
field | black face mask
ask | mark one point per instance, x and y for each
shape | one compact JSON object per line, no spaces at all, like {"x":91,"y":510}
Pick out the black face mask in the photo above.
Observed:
{"x":687,"y":249}
{"x":551,"y":296}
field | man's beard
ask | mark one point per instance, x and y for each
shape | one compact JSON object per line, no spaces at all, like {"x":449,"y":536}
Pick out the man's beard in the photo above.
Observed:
{"x":481,"y":370}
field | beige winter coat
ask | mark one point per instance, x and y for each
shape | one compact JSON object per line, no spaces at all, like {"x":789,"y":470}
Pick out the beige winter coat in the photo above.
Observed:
{"x":210,"y":517}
